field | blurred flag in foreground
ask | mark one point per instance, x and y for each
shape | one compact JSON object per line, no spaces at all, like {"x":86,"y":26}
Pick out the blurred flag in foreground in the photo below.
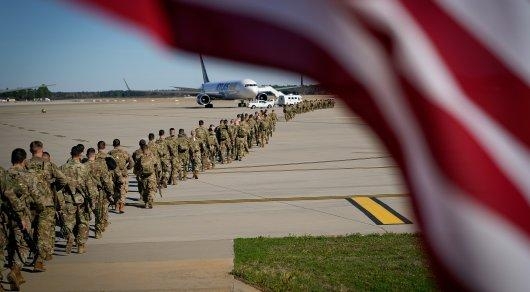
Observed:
{"x":445,"y":85}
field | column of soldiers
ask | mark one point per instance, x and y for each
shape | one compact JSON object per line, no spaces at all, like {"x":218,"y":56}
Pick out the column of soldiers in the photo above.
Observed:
{"x":167,"y":160}
{"x":36,"y":195}
{"x":290,"y":111}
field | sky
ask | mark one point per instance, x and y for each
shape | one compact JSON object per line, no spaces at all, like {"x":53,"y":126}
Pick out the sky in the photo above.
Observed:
{"x":53,"y":42}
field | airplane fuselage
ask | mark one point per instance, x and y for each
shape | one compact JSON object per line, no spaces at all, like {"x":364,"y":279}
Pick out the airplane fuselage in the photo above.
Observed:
{"x":245,"y":89}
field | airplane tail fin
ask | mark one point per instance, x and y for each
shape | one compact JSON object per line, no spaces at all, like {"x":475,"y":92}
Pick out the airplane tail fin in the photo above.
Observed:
{"x":204,"y":74}
{"x":126,"y":85}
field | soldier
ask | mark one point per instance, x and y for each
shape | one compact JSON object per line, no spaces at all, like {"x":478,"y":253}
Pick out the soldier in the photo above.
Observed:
{"x":165,"y":158}
{"x":125,"y":163}
{"x":135,"y":157}
{"x":213,"y":146}
{"x":101,"y":158}
{"x":99,"y":173}
{"x":176,"y":163}
{"x":224,"y":142}
{"x":274,"y":119}
{"x":21,"y":192}
{"x":77,"y":202}
{"x":202,"y":134}
{"x":183,"y":147}
{"x":147,"y":165}
{"x":195,"y":154}
{"x":232,"y":133}
{"x":153,"y":147}
{"x":240,"y":141}
{"x":44,"y":220}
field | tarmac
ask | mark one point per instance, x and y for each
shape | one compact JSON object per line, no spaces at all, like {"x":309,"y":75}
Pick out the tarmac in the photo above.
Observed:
{"x":301,"y":183}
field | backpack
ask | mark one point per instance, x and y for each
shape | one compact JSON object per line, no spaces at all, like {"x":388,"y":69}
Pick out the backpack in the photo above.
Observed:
{"x":147,"y":166}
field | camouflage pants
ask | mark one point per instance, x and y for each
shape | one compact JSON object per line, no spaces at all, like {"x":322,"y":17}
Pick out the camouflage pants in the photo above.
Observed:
{"x":176,"y":168}
{"x":212,"y":153}
{"x":225,"y":150}
{"x":150,"y":187}
{"x":196,"y":160}
{"x":240,"y":148}
{"x":45,"y":231}
{"x":3,"y":245}
{"x":18,"y":249}
{"x":184,"y":162}
{"x":165,"y":164}
{"x":76,"y":221}
{"x":205,"y":159}
{"x":122,"y":189}
{"x":100,"y":211}
{"x":249,"y":139}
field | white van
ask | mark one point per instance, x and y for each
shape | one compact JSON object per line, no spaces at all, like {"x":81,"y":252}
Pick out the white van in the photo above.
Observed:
{"x":288,"y":99}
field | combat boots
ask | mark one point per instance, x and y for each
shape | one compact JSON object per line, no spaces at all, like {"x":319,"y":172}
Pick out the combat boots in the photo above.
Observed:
{"x":69,"y":244}
{"x":18,"y":273}
{"x":195,"y":176}
{"x":49,"y":257}
{"x":13,"y":280}
{"x":81,"y":248}
{"x":97,"y":234}
{"x":39,"y":266}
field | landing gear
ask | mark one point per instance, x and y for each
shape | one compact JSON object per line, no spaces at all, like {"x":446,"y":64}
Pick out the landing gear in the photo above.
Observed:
{"x":242,"y":104}
{"x":210,"y":105}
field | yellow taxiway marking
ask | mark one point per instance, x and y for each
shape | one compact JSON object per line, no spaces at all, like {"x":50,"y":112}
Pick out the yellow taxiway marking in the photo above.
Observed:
{"x":378,"y":211}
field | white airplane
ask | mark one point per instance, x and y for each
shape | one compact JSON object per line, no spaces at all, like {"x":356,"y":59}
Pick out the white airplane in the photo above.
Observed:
{"x":245,"y":89}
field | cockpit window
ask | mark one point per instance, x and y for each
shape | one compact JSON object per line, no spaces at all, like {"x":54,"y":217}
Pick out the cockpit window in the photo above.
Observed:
{"x":250,"y":85}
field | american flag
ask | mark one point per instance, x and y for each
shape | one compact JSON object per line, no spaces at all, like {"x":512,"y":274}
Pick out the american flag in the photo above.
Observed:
{"x":443,"y":83}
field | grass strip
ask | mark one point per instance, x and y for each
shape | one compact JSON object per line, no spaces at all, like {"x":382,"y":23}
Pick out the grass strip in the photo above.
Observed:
{"x":375,"y":262}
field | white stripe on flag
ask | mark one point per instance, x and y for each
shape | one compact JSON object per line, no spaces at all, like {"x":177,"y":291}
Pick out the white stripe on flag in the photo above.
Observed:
{"x":437,"y":84}
{"x":502,"y":26}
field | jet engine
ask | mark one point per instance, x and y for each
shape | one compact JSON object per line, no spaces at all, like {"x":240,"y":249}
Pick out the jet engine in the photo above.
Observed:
{"x":261,"y":96}
{"x":203,"y":99}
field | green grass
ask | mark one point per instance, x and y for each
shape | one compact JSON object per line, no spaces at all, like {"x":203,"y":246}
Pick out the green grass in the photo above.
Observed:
{"x":346,"y":263}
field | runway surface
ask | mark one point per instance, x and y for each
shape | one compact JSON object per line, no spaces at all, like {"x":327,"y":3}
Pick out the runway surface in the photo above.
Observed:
{"x":301,"y":183}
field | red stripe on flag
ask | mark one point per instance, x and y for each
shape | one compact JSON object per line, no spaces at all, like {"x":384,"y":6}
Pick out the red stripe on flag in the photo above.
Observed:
{"x":485,"y":79}
{"x":457,"y":153}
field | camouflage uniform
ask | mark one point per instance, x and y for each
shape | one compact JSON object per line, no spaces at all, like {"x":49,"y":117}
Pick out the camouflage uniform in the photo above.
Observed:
{"x":213,"y":148}
{"x":103,"y":181}
{"x":176,"y":163}
{"x":147,"y":166}
{"x":26,"y":189}
{"x":202,"y":135}
{"x":183,"y":147}
{"x":224,"y":144}
{"x":241,"y":138}
{"x":165,"y":160}
{"x":195,"y":158}
{"x":124,"y":162}
{"x":18,"y":189}
{"x":77,"y":203}
{"x":135,"y":157}
{"x":44,"y":222}
{"x":107,"y":192}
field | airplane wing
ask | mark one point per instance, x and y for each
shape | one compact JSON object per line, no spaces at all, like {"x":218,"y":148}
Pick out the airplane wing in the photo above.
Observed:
{"x":187,"y":90}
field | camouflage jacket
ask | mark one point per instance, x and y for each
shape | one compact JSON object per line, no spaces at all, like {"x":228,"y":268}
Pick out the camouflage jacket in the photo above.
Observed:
{"x":201,"y":133}
{"x":79,"y":173}
{"x":100,"y":175}
{"x":183,"y":144}
{"x":163,"y":149}
{"x":47,"y":173}
{"x":11,"y":193}
{"x":123,"y":159}
{"x":172,"y":145}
